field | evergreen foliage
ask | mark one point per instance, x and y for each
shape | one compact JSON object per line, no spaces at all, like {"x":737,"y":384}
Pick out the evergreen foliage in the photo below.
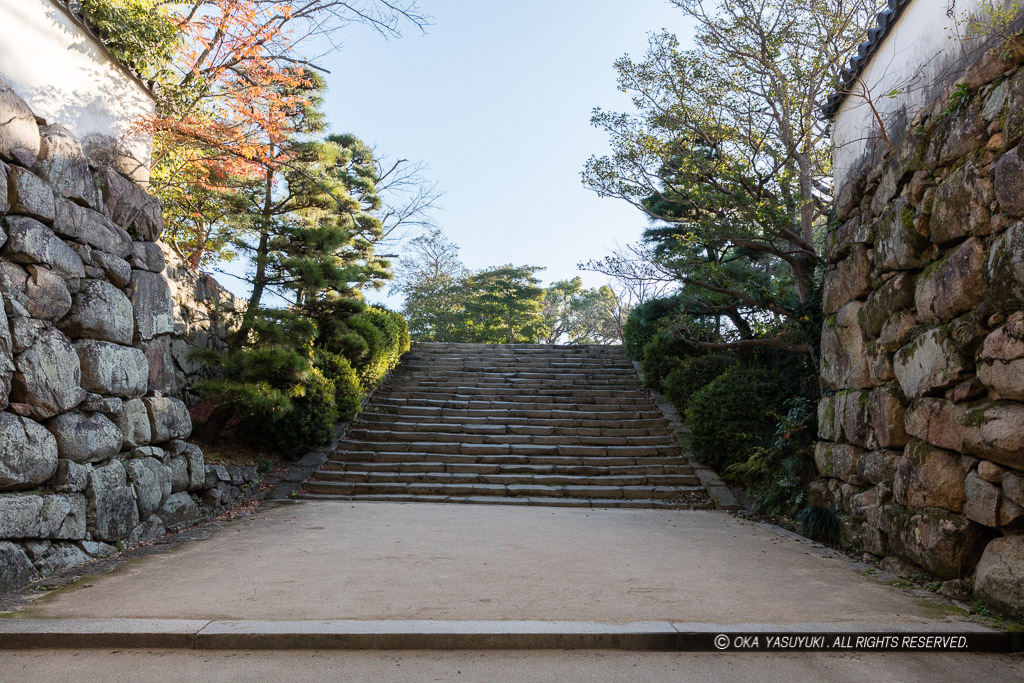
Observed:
{"x":661,"y":355}
{"x":691,"y":375}
{"x":734,"y":414}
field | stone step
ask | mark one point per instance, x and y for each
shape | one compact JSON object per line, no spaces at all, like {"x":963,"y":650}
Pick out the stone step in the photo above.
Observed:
{"x":371,"y":415}
{"x":505,"y":500}
{"x":429,"y":466}
{"x":513,"y":425}
{"x":513,"y":396}
{"x":548,"y":413}
{"x":506,"y":389}
{"x":442,"y":477}
{"x":528,"y":449}
{"x":467,"y":427}
{"x":539,"y":372}
{"x":384,"y":436}
{"x":511,"y":490}
{"x":398,"y":456}
{"x":526,"y":404}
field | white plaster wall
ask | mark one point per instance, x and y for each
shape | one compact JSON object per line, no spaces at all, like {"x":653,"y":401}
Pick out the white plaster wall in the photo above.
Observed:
{"x":65,"y":77}
{"x":919,"y":57}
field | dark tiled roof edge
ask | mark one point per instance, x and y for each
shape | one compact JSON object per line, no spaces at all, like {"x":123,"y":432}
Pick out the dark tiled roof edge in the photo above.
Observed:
{"x":887,"y":18}
{"x":76,"y":16}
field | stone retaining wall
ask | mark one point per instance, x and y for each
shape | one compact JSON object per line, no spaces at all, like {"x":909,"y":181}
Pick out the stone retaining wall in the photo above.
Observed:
{"x":922,"y":357}
{"x":205,"y":314}
{"x":92,"y":429}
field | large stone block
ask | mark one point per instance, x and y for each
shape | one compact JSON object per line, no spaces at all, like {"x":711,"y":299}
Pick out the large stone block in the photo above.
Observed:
{"x":952,"y":285}
{"x":1013,"y":487}
{"x":844,"y":364}
{"x":999,"y":580}
{"x":1001,"y":369}
{"x":161,"y":365}
{"x":879,"y":467}
{"x":29,"y":241}
{"x":930,"y":362}
{"x":111,"y":503}
{"x":993,"y":431}
{"x":71,"y":477}
{"x":60,"y":556}
{"x":85,"y":437}
{"x":28,"y":453}
{"x":21,"y":515}
{"x":850,"y":279}
{"x":1004,"y":286}
{"x":959,"y":134}
{"x":1009,"y":183}
{"x":855,"y":231}
{"x":945,"y":543}
{"x":152,"y":483}
{"x":6,"y":357}
{"x":983,"y":501}
{"x":129,"y":206}
{"x":936,"y":421}
{"x":147,"y":256}
{"x":100,"y":311}
{"x":19,"y":133}
{"x":111,"y":369}
{"x":63,"y":164}
{"x":930,"y":477}
{"x":47,"y":297}
{"x":177,"y":509}
{"x":151,"y":300}
{"x":168,"y":418}
{"x":90,"y":227}
{"x":48,"y":376}
{"x":16,"y":570}
{"x":887,"y":409}
{"x":28,"y":195}
{"x":898,"y":245}
{"x":114,"y":269}
{"x":4,"y":206}
{"x":134,"y":423}
{"x":852,"y":414}
{"x":961,"y":205}
{"x":838,"y":461}
{"x":63,"y":517}
{"x":894,"y":295}
{"x":829,"y":428}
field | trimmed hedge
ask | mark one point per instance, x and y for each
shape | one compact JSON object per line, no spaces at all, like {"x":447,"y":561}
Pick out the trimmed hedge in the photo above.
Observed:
{"x":309,"y":423}
{"x":692,"y":375}
{"x":662,"y":355}
{"x":348,"y":394}
{"x":735,"y":413}
{"x":387,"y":338}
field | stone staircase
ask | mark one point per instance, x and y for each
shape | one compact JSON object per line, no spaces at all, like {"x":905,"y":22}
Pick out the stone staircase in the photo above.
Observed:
{"x":511,"y":424}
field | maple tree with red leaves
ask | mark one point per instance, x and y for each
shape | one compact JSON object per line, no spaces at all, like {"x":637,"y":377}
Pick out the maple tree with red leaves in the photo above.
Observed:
{"x":232,"y":89}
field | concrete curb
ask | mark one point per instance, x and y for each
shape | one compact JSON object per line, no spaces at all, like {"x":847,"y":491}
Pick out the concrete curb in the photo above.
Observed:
{"x":660,"y":636}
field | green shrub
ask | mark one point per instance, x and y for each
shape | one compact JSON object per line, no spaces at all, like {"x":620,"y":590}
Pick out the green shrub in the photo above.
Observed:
{"x":307,"y":425}
{"x":387,"y":338}
{"x":661,"y":355}
{"x":348,"y":394}
{"x":733,"y":415}
{"x":644,"y":322}
{"x":692,"y":374}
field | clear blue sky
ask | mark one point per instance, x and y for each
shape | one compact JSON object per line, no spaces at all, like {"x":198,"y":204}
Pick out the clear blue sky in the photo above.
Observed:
{"x":496,"y":100}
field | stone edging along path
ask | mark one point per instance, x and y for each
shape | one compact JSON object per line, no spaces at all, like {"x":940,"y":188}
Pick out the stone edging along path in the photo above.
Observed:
{"x":661,"y":636}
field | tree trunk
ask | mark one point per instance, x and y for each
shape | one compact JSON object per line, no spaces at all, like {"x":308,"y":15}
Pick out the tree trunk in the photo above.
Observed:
{"x":260,"y":258}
